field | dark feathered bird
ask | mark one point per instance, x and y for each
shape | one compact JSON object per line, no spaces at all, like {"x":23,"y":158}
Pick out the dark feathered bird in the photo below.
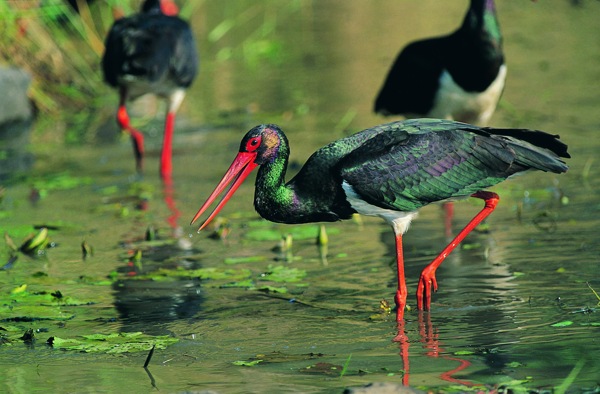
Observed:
{"x":388,"y":171}
{"x":459,"y":76}
{"x":151,"y":52}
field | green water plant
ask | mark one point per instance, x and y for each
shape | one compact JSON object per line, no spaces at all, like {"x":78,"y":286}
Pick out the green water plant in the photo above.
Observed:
{"x":345,"y":367}
{"x":124,"y":342}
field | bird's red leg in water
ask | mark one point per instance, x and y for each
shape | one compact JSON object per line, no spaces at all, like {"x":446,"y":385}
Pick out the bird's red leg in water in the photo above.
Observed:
{"x":166,"y":164}
{"x":427,"y":281}
{"x":136,"y":137}
{"x":402,"y":292}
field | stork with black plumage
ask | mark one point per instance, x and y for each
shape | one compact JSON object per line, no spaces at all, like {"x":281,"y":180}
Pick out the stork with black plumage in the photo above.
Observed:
{"x":151,"y":52}
{"x":459,"y":76}
{"x":389,"y":171}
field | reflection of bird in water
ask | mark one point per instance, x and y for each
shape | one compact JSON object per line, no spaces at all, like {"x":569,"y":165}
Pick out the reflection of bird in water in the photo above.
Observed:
{"x":151,"y":52}
{"x":140,"y":301}
{"x":390,"y":171}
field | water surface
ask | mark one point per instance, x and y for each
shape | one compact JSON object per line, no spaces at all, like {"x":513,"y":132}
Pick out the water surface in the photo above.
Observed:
{"x":314,"y":68}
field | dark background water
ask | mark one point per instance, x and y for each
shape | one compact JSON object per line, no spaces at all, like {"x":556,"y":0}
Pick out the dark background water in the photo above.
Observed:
{"x":314,"y":68}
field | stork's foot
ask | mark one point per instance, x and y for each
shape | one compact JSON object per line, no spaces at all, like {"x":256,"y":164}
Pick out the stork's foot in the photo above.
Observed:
{"x":427,"y":283}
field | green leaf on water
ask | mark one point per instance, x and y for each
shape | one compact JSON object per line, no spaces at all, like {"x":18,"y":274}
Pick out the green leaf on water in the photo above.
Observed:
{"x":246,"y":259}
{"x":60,"y":181}
{"x":212,"y":273}
{"x":264,"y":235}
{"x":247,"y":363}
{"x":563,"y":323}
{"x":470,"y":246}
{"x":283,"y":274}
{"x":463,"y":353}
{"x":27,"y":305}
{"x":297,"y":233}
{"x":126,"y":342}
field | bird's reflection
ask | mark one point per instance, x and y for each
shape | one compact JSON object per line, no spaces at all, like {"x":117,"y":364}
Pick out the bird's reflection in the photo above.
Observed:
{"x":169,"y":199}
{"x":429,"y":338}
{"x":141,"y":301}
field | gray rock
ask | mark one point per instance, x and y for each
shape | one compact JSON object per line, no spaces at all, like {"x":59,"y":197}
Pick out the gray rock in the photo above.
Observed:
{"x":383,"y":388}
{"x":14,"y":103}
{"x":16,"y":119}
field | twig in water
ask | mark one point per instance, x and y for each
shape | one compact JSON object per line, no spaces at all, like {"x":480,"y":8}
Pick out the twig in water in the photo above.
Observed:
{"x":149,"y":356}
{"x":593,"y":291}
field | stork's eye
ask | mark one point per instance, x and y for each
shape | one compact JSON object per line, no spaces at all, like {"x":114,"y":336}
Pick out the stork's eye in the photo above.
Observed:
{"x":253,"y":144}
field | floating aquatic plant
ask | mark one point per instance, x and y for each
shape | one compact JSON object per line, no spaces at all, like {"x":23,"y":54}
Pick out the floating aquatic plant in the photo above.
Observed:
{"x":124,"y":342}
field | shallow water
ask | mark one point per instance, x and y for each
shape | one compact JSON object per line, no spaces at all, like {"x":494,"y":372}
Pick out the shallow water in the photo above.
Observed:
{"x":314,"y":68}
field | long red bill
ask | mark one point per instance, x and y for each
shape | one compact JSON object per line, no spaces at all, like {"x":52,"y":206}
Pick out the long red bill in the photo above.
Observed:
{"x":239,"y":170}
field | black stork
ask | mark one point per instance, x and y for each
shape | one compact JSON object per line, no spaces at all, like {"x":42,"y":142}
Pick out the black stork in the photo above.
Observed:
{"x":389,"y":171}
{"x":459,"y":76}
{"x":151,"y":52}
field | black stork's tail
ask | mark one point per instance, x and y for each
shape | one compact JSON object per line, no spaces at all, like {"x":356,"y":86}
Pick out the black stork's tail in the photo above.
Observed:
{"x":534,"y":149}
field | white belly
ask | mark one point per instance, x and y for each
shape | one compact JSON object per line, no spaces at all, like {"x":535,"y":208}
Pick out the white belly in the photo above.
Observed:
{"x":452,"y":102}
{"x":399,"y":220}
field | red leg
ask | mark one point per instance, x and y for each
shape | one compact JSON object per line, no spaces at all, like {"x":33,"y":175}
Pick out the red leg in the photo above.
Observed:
{"x":401,"y":293}
{"x":448,"y":215}
{"x":166,"y":165}
{"x":136,"y":137}
{"x":427,"y":281}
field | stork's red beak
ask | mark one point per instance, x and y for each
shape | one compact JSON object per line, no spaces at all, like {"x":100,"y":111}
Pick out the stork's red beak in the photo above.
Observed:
{"x":242,"y":166}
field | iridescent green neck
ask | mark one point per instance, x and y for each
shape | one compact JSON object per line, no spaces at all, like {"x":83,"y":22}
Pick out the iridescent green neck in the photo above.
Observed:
{"x":490,"y":22}
{"x":482,"y":17}
{"x":273,"y":199}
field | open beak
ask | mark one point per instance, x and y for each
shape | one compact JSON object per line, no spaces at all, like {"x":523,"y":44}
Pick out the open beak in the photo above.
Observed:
{"x":242,"y":166}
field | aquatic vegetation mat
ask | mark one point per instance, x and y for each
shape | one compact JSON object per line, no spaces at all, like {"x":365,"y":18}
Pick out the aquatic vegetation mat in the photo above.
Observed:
{"x":124,"y":342}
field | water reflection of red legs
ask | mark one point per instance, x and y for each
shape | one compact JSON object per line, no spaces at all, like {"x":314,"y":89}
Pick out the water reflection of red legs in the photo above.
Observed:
{"x":168,"y":196}
{"x":403,"y":344}
{"x":429,"y":337}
